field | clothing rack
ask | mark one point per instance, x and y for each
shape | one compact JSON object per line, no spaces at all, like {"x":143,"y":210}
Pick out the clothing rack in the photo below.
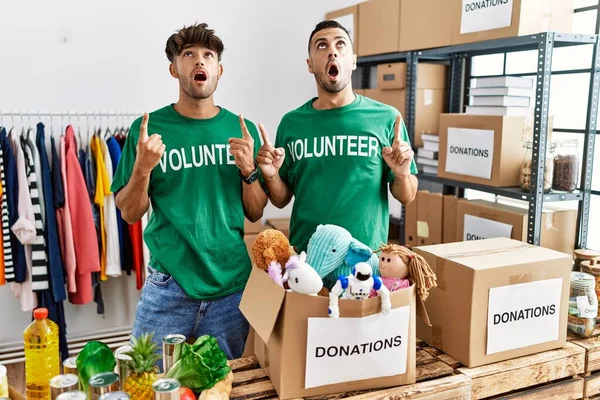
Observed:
{"x":96,"y":116}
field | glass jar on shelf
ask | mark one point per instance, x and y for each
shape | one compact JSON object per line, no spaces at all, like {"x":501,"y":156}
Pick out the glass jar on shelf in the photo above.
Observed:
{"x":527,"y":166}
{"x":566,"y":166}
{"x":583,"y":304}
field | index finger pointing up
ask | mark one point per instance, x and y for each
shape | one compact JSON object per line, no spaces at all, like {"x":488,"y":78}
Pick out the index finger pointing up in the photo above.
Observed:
{"x":397,"y":128}
{"x":264,"y":135}
{"x":245,"y":132}
{"x":144,"y":127}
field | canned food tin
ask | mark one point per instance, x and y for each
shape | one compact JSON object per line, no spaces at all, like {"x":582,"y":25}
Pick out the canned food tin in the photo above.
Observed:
{"x":102,"y":383}
{"x":166,"y":389}
{"x":3,"y":381}
{"x":74,"y":395}
{"x":121,"y":368}
{"x":70,"y":366}
{"x":172,"y":345}
{"x":114,"y":396}
{"x":62,"y":384}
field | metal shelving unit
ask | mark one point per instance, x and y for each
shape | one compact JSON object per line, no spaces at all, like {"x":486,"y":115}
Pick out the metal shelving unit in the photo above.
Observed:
{"x":459,"y":59}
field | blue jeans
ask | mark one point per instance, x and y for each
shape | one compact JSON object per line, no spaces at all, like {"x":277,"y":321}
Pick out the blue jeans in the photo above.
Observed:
{"x":165,"y":308}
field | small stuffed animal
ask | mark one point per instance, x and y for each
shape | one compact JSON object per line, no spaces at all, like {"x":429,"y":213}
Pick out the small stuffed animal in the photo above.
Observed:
{"x":333,"y":252}
{"x":398,"y":264}
{"x":270,"y":245}
{"x":358,"y":286}
{"x":301,"y":277}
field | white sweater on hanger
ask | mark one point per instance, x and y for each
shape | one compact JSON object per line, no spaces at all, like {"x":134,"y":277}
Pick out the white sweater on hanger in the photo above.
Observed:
{"x":113,"y":249}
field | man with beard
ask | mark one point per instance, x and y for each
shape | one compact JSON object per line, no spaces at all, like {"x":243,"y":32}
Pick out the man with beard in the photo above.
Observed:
{"x":191,"y":162}
{"x":337,"y":153}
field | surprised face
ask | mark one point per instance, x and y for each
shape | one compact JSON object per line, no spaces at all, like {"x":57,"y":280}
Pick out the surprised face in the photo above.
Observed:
{"x":392,"y":266}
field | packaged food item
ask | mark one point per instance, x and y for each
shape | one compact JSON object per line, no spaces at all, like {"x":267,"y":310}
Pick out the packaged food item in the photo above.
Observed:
{"x":115,"y":396}
{"x":526,"y":167}
{"x":70,"y":366}
{"x":166,"y":389}
{"x":42,"y":361}
{"x":121,"y":368}
{"x":172,"y":345}
{"x":103,"y":383}
{"x":62,"y":384}
{"x":566,"y":167}
{"x":580,"y":255}
{"x":592,"y":267}
{"x":583,"y":304}
{"x":74,"y":395}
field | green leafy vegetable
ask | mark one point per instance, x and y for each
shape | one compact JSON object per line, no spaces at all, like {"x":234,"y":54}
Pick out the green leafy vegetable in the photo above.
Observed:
{"x":201,"y":365}
{"x":95,"y":358}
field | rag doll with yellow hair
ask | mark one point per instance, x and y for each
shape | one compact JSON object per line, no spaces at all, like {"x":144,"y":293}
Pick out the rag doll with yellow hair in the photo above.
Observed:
{"x":399,"y":265}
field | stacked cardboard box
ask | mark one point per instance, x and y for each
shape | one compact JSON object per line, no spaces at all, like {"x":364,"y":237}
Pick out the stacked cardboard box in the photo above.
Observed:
{"x":496,"y":299}
{"x":387,"y":26}
{"x":431,"y":94}
{"x":477,"y":20}
{"x":281,"y":224}
{"x":482,"y":149}
{"x":432,"y":219}
{"x":428,"y":219}
{"x":251,"y":230}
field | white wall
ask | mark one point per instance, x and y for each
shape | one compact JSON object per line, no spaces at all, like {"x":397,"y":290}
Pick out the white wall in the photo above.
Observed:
{"x":113,"y":59}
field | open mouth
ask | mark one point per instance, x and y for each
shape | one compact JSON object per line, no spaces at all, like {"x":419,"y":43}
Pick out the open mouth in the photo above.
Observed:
{"x":200,"y":76}
{"x":333,"y":71}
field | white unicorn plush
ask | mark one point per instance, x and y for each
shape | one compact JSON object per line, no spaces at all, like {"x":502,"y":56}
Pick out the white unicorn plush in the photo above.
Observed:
{"x":301,"y":277}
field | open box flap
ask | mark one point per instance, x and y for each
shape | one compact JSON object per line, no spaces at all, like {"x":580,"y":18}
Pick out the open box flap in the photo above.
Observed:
{"x":261,"y":302}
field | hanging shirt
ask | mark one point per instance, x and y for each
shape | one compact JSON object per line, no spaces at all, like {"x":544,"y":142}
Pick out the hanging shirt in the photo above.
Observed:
{"x":84,"y":233}
{"x":102,"y":190}
{"x":38,"y":249}
{"x":113,"y":253}
{"x":89,"y":174}
{"x":25,"y":231}
{"x":58,"y":198}
{"x":69,"y":258}
{"x":8,"y":272}
{"x":55,"y":267}
{"x":127,"y":246}
{"x":38,"y":168}
{"x":115,"y":154}
{"x":12,"y":195}
{"x":2,"y":277}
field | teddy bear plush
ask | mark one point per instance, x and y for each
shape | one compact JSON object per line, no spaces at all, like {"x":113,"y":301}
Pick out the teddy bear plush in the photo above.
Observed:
{"x":271,"y":246}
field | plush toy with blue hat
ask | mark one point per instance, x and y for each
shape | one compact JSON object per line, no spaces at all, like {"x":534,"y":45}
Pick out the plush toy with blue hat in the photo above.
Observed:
{"x":333,"y":252}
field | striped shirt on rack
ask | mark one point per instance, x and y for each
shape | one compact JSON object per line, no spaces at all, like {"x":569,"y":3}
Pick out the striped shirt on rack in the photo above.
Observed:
{"x":9,"y":269}
{"x":39,"y":262}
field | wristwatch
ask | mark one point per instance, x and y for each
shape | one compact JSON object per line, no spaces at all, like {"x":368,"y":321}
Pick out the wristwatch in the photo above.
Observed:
{"x":252,"y":177}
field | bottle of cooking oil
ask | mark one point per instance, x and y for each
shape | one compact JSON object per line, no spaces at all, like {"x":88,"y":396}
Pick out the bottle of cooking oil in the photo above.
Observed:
{"x":42,"y":362}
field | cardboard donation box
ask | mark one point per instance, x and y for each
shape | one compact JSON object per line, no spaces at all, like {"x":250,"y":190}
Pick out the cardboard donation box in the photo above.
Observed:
{"x":481,"y":149}
{"x":477,"y":20}
{"x":306,"y":353}
{"x":431,"y":98}
{"x":497,"y":299}
{"x":481,"y":219}
{"x":386,"y":26}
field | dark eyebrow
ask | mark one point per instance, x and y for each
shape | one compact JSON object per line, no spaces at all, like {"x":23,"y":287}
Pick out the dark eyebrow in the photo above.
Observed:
{"x":335,"y":38}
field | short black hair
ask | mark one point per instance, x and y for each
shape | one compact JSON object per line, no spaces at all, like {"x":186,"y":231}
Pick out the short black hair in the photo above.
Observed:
{"x":193,"y":35}
{"x":328,"y":24}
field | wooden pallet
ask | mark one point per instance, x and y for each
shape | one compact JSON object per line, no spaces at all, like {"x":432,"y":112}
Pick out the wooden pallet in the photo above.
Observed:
{"x":530,"y":373}
{"x":591,"y":387}
{"x":251,"y":383}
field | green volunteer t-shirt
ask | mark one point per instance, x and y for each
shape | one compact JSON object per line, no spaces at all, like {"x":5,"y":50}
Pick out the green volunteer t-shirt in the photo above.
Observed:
{"x":196,"y":229}
{"x":335,"y":168}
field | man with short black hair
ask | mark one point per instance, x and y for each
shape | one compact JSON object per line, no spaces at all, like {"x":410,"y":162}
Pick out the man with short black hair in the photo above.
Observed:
{"x":337,"y":153}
